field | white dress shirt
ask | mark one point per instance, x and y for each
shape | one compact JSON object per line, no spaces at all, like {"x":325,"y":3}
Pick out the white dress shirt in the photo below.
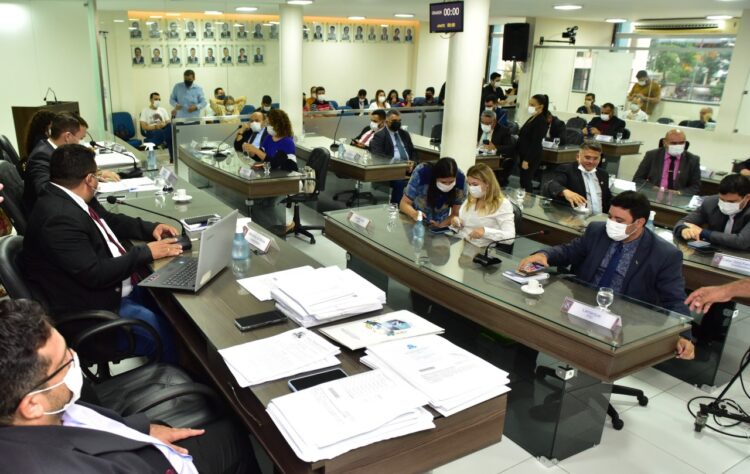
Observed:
{"x":498,"y":225}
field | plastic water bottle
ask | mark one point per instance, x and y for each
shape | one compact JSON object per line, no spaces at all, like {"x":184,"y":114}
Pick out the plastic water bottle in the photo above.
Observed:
{"x":417,"y":233}
{"x":240,"y":247}
{"x":151,"y":156}
{"x":650,"y":223}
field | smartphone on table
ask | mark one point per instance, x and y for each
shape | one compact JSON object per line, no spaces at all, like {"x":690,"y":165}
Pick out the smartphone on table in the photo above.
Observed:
{"x":307,"y":381}
{"x":246,"y":323}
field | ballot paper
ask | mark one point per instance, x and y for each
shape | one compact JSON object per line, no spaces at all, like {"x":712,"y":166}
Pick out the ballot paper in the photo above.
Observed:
{"x":385,"y":327}
{"x":452,"y":378}
{"x":286,"y":354}
{"x":330,"y":419}
{"x":130,"y":185}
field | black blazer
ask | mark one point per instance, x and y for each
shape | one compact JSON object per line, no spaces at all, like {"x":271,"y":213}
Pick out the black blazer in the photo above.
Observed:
{"x":610,"y":128}
{"x":712,"y":219}
{"x":37,"y":174}
{"x":688,"y":176}
{"x":58,"y":449}
{"x":530,"y":139}
{"x":502,"y":139}
{"x":354,"y":103}
{"x":381,"y":143}
{"x":66,"y":257}
{"x":568,"y":176}
{"x":247,"y":137}
{"x":556,"y":129}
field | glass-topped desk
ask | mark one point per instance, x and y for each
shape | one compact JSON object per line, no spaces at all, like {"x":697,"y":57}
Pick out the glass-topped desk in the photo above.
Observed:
{"x":429,"y":151}
{"x":561,"y":154}
{"x":670,"y":206}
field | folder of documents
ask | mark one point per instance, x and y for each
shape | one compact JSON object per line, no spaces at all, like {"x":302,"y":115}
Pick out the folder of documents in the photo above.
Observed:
{"x":382,"y":328}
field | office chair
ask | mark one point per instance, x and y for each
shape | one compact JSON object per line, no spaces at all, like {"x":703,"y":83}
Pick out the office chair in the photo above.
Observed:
{"x":334,"y":104}
{"x":122,"y":122}
{"x":247,"y":110}
{"x":576,"y":122}
{"x":573,"y":136}
{"x":665,"y":120}
{"x":626,"y":134}
{"x":10,"y":152}
{"x":683,"y":123}
{"x":275,"y":105}
{"x":318,"y":161}
{"x":517,"y":220}
{"x":13,"y":194}
{"x":436,"y":134}
{"x":514,"y":128}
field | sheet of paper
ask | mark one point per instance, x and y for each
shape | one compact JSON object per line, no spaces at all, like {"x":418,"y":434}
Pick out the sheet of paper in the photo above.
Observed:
{"x":131,"y":185}
{"x":261,"y":286}
{"x":386,"y":327}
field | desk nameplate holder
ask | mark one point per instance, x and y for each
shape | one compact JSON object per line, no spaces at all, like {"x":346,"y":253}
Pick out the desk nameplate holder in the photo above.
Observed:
{"x":359,"y":220}
{"x":729,"y":262}
{"x":259,"y":241}
{"x":593,"y":315}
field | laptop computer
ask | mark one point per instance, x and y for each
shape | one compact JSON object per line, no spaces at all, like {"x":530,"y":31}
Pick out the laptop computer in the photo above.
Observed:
{"x":191,"y":273}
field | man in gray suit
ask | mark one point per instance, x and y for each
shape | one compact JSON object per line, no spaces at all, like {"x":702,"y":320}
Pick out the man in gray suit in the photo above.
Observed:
{"x":671,"y":166}
{"x":722,"y":219}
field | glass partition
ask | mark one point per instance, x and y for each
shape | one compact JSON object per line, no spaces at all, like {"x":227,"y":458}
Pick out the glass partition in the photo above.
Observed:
{"x":349,"y":123}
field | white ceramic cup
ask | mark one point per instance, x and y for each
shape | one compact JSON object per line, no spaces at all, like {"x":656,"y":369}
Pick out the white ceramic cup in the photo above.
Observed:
{"x":534,"y":285}
{"x":180,"y":193}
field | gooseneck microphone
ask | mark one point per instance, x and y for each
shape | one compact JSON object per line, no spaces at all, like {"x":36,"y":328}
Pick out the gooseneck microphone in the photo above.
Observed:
{"x":136,"y":172}
{"x":335,"y":146}
{"x":485,"y":260}
{"x":183,"y":239}
{"x":218,"y":154}
{"x":46,"y":94}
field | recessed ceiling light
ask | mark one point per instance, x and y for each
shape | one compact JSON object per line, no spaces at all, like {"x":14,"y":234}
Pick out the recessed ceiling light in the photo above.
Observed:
{"x":150,"y":22}
{"x":155,"y":16}
{"x":356,"y":18}
{"x":719,"y":17}
{"x":132,"y":28}
{"x":404,"y":15}
{"x":212,"y":12}
{"x":174,"y":14}
{"x":616,"y":20}
{"x":568,"y":7}
{"x":119,"y":21}
{"x":266,"y":24}
{"x":246,"y":9}
{"x":299,"y":2}
{"x":132,"y":19}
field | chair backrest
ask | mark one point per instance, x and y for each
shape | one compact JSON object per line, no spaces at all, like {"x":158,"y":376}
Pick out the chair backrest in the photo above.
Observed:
{"x":275,"y":105}
{"x":10,"y":152}
{"x":517,"y":220}
{"x":576,"y":122}
{"x":683,"y":123}
{"x":437,"y":132}
{"x":419,"y":101}
{"x":13,"y":196}
{"x":122,"y":122}
{"x":334,"y":104}
{"x":625,"y":133}
{"x":665,"y":120}
{"x":247,"y":110}
{"x":573,"y":136}
{"x":318,"y":160}
{"x":514,"y":128}
{"x":10,"y":268}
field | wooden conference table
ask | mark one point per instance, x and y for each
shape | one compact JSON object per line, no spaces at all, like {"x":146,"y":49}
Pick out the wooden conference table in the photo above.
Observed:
{"x":204,"y":323}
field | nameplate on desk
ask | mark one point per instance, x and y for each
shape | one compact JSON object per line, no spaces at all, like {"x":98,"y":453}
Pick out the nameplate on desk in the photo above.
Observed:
{"x":695,"y":202}
{"x":351,"y":155}
{"x":624,"y":184}
{"x":706,"y":173}
{"x":257,"y":240}
{"x":358,"y":220}
{"x":593,"y":315}
{"x":246,"y":172}
{"x":193,"y":145}
{"x":168,"y":176}
{"x":604,"y":138}
{"x":549,"y":144}
{"x":729,"y":262}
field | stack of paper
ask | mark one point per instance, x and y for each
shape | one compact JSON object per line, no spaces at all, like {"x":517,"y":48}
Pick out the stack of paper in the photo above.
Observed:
{"x":330,"y":419}
{"x":132,"y":185}
{"x":451,"y":378}
{"x":385,"y":327}
{"x":280,"y":356}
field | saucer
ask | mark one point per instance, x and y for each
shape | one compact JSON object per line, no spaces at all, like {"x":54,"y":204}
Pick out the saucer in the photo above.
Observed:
{"x":526,"y":289}
{"x":185,"y":198}
{"x":581,"y":210}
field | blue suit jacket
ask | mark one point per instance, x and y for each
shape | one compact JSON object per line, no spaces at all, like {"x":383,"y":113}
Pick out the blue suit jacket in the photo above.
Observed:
{"x":654,"y":276}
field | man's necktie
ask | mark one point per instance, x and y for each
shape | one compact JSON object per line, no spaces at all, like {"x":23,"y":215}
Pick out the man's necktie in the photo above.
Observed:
{"x":134,"y":278}
{"x":609,"y":273}
{"x":730,"y":224}
{"x":670,"y":176}
{"x":400,"y":146}
{"x":595,"y":205}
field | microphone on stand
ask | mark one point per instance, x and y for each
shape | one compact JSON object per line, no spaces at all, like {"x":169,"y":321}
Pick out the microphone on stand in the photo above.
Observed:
{"x":485,"y":260}
{"x":218,"y":154}
{"x":183,"y":239}
{"x":46,"y":94}
{"x":335,"y":146}
{"x":136,"y":172}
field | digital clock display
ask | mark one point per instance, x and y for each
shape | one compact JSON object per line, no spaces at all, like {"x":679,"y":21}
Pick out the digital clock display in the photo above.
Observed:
{"x":447,"y":17}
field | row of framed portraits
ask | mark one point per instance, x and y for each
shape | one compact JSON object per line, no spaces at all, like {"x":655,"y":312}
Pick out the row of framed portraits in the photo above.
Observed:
{"x":209,"y":30}
{"x":197,"y":55}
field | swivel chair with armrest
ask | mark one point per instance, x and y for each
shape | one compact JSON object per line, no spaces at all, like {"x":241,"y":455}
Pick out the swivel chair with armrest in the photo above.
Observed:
{"x":318,"y":161}
{"x":12,"y":193}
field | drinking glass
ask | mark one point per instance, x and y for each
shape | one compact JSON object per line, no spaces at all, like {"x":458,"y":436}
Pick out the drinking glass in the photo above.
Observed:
{"x":618,"y":137}
{"x":604,"y":298}
{"x":266,"y":168}
{"x":520,"y":194}
{"x":556,"y":142}
{"x":204,"y":142}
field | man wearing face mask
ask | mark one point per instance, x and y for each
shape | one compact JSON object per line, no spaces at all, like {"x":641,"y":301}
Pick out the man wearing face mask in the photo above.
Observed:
{"x":187,"y":98}
{"x":321,"y":104}
{"x":45,"y":428}
{"x":493,"y":138}
{"x":671,"y":166}
{"x":589,"y":107}
{"x":722,"y":219}
{"x":252,"y":133}
{"x":394,"y":142}
{"x":377,"y":122}
{"x":490,"y":105}
{"x":266,"y":103}
{"x":605,"y":124}
{"x":624,"y":255}
{"x":648,"y":91}
{"x":155,"y":125}
{"x":582,"y":184}
{"x":360,"y":102}
{"x":635,"y":111}
{"x":494,"y":88}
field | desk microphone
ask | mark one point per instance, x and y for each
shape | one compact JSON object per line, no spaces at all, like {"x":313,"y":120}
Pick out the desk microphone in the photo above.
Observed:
{"x":335,"y":146}
{"x":183,"y":239}
{"x":218,"y":154}
{"x":485,"y":260}
{"x":49,"y":89}
{"x":136,"y":172}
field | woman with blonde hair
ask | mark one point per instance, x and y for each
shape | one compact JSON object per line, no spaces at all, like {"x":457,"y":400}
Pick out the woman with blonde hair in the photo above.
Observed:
{"x":486,"y":215}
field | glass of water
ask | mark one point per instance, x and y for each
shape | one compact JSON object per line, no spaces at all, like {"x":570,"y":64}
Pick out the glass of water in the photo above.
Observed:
{"x":266,"y":168}
{"x":556,"y":142}
{"x":618,"y":137}
{"x":605,"y":297}
{"x":520,"y":194}
{"x":204,"y":142}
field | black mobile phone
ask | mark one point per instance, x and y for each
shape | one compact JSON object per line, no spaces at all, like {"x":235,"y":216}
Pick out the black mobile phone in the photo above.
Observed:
{"x":439,"y":230}
{"x":701,"y":246}
{"x":301,"y":383}
{"x":247,"y":323}
{"x":485,"y":142}
{"x":203,"y":220}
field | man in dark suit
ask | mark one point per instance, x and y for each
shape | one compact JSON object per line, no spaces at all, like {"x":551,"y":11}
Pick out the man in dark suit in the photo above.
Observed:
{"x":360,"y":102}
{"x":492,"y":137}
{"x":254,"y":132}
{"x":605,"y":124}
{"x":625,"y":256}
{"x":43,"y":429}
{"x":582,"y":183}
{"x":73,"y":255}
{"x":377,"y":122}
{"x":671,"y":166}
{"x":490,"y":103}
{"x":723,"y":219}
{"x":394,"y":142}
{"x":494,"y":87}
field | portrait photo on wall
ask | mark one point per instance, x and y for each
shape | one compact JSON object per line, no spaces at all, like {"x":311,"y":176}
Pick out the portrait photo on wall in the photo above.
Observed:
{"x":240,"y":29}
{"x":242,"y":59}
{"x":409,"y":34}
{"x":209,"y":55}
{"x":174,"y":57}
{"x":346,"y":33}
{"x":359,"y":33}
{"x":273,"y":31}
{"x":154,"y":29}
{"x":258,"y":33}
{"x":208,"y":30}
{"x":192,"y":56}
{"x":226,"y":55}
{"x":156,"y":58}
{"x":173,"y":31}
{"x":384,"y":34}
{"x":306,"y":32}
{"x":136,"y":56}
{"x":332,"y":32}
{"x":259,"y":54}
{"x":226,"y":30}
{"x":372,"y":33}
{"x":317,"y":30}
{"x":135,"y":30}
{"x":191,"y":29}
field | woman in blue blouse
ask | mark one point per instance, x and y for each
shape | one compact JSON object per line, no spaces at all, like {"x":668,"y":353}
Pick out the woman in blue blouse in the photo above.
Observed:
{"x":437,"y":190}
{"x":278,"y":147}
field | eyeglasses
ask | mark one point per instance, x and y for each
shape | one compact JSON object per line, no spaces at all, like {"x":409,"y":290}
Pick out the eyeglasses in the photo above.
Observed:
{"x":59,"y":369}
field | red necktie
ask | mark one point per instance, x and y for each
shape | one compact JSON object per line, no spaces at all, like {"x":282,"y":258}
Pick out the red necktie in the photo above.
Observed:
{"x":134,"y":278}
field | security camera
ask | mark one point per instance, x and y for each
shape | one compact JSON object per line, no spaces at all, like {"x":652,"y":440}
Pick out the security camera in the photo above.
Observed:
{"x":570,"y":32}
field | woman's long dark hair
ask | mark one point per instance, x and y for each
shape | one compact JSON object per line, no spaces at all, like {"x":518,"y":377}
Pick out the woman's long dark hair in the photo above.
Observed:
{"x":543,"y":100}
{"x":444,"y":168}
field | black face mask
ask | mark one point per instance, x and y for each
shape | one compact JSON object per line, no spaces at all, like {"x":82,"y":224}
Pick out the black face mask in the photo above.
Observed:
{"x":222,"y":97}
{"x":188,"y":83}
{"x":428,"y":96}
{"x":395,"y":126}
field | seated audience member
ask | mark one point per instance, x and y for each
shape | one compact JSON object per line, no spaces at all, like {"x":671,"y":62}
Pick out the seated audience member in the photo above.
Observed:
{"x":742,"y":167}
{"x":252,"y":133}
{"x":377,"y":122}
{"x":379,"y":102}
{"x":706,"y":116}
{"x":486,"y":215}
{"x":589,"y":107}
{"x":155,"y":124}
{"x":492,"y":137}
{"x":605,"y":124}
{"x":45,"y":427}
{"x":321,"y":104}
{"x":722,"y":219}
{"x":394,"y":142}
{"x":671,"y":166}
{"x":624,"y":255}
{"x":494,"y":87}
{"x":313,"y":95}
{"x":635,"y":111}
{"x":490,"y":104}
{"x":223,"y":105}
{"x":66,"y":128}
{"x":393,"y":98}
{"x":38,"y":130}
{"x":72,"y":249}
{"x":360,"y":102}
{"x":647,"y":90}
{"x":278,"y":146}
{"x":582,"y":183}
{"x":555,"y":129}
{"x":429,"y":97}
{"x":266,"y":104}
{"x":437,"y":190}
{"x":408,"y":99}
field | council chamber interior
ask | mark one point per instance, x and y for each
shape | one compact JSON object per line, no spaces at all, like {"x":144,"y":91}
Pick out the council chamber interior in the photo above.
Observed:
{"x":452,"y":355}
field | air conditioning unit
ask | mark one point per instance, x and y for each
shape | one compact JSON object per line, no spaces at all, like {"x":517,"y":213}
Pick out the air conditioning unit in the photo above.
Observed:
{"x":687,"y":26}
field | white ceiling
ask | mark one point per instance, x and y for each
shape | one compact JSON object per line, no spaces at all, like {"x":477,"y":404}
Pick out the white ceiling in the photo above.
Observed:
{"x":595,"y":10}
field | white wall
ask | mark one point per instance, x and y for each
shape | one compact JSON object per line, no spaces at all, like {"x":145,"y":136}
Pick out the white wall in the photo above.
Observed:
{"x":431,"y":61}
{"x":47,"y":44}
{"x":590,"y":33}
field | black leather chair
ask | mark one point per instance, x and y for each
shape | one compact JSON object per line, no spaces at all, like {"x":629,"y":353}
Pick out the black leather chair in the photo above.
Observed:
{"x":517,"y":221}
{"x":12,"y":193}
{"x":573,"y":136}
{"x":576,"y":122}
{"x":514,"y":128}
{"x":318,"y":161}
{"x":665,"y":120}
{"x":626,"y":134}
{"x":436,"y":134}
{"x":10,"y":152}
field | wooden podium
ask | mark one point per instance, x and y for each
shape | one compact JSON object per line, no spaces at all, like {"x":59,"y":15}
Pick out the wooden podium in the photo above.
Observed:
{"x":22,"y":117}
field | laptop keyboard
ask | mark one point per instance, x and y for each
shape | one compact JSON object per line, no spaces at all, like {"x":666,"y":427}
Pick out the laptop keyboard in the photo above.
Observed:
{"x":185,"y":276}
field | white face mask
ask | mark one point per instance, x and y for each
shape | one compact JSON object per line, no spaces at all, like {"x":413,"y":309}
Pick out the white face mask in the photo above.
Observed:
{"x":729,"y":208}
{"x":583,"y":170}
{"x":374,"y":125}
{"x":157,"y":103}
{"x":445,"y":187}
{"x":532,"y":109}
{"x":476,"y":191}
{"x":381,"y":98}
{"x":642,"y":82}
{"x":605,"y":117}
{"x":230,"y":108}
{"x":255,"y":127}
{"x":497,"y":83}
{"x":491,"y":109}
{"x":73,"y":380}
{"x":676,"y":150}
{"x":617,"y":231}
{"x":321,"y":97}
{"x":271,"y":131}
{"x":266,"y":108}
{"x":486,"y":128}
{"x":635,"y":107}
